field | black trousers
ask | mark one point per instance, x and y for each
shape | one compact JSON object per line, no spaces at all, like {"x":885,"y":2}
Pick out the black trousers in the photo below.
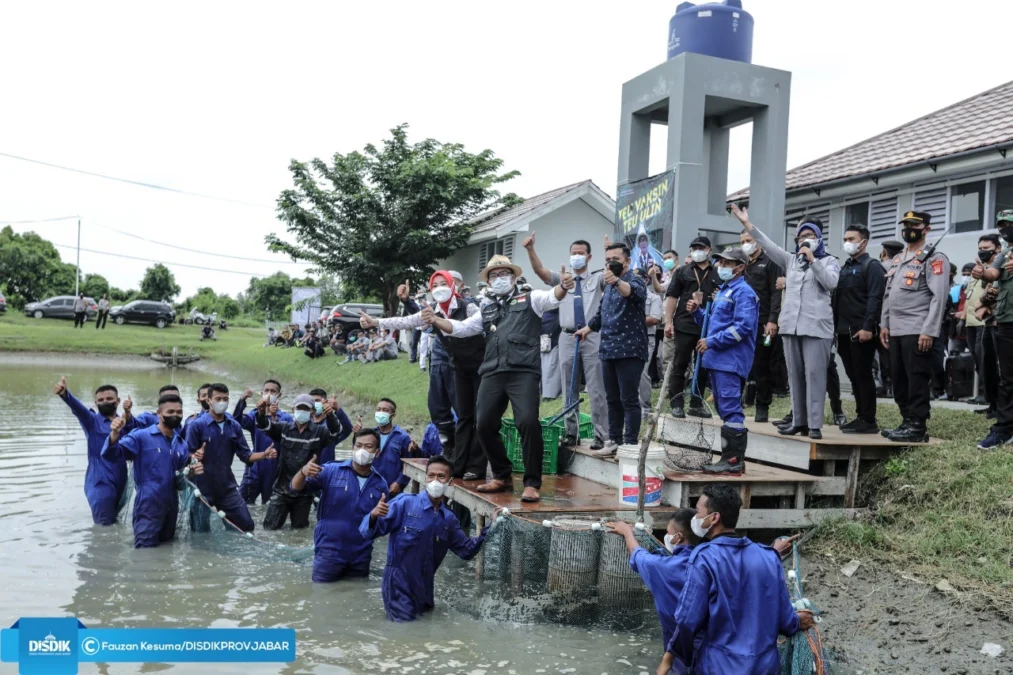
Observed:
{"x":884,"y":365}
{"x":100,"y":320}
{"x":282,"y":504}
{"x":1004,"y":403}
{"x":857,"y":359}
{"x":467,"y":455}
{"x":79,"y":319}
{"x":519,"y":390}
{"x":761,"y":374}
{"x":834,"y":387}
{"x":939,"y":365}
{"x":912,"y":377}
{"x":981,"y":344}
{"x":621,"y":378}
{"x":682,"y":356}
{"x":441,"y":394}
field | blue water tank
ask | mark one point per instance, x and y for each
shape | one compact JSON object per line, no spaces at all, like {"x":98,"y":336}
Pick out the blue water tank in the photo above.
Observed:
{"x":720,"y":29}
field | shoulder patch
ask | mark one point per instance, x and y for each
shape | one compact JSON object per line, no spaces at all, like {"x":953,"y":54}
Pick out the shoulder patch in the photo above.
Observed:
{"x":896,"y":259}
{"x":937,"y":266}
{"x":521,"y":298}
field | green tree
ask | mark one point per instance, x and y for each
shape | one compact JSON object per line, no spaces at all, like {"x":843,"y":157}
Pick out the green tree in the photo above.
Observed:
{"x":227,"y":307}
{"x":159,"y":284}
{"x":95,"y":285}
{"x":272,"y":295}
{"x":121,"y":296}
{"x":378,"y":217}
{"x":31,"y":269}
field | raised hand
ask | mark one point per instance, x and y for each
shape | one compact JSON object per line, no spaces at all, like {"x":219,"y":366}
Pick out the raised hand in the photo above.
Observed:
{"x":610,"y":278}
{"x":978,"y":271}
{"x":60,"y":388}
{"x":115,"y":427}
{"x":529,"y":241}
{"x":366,"y":321}
{"x":403,"y":290}
{"x":328,"y":408}
{"x":199,"y":455}
{"x":394,"y":489}
{"x":357,"y":427}
{"x":741,"y":214}
{"x":566,"y":279}
{"x":608,"y":240}
{"x":272,"y":409}
{"x":128,"y":405}
{"x":428,"y":316}
{"x":263,"y":404}
{"x":271,"y":453}
{"x":381,"y":509}
{"x":312,"y":468}
{"x":247,"y":394}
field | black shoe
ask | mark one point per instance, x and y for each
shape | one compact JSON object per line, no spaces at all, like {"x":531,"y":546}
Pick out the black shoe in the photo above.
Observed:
{"x":470,"y":476}
{"x":787,"y":419}
{"x":762,"y":413}
{"x":793,"y":431}
{"x":880,"y":392}
{"x":815,"y":434}
{"x":840,"y":419}
{"x":597,"y":444}
{"x":990,"y":415}
{"x":914,"y":433}
{"x":860,"y":426}
{"x":678,"y":412}
{"x":699,"y":411}
{"x":887,"y":433}
{"x":733,"y":453}
{"x":984,"y":411}
{"x":978,"y":400}
{"x":569,"y":442}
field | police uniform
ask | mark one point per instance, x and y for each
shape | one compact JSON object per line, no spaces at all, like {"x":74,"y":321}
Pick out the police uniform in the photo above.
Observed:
{"x":884,"y":385}
{"x":917,"y":288}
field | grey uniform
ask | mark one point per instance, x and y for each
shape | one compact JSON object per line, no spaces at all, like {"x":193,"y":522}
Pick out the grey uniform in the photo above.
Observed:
{"x":592,"y":286}
{"x":806,"y":324}
{"x":916,"y":294}
{"x":652,"y":308}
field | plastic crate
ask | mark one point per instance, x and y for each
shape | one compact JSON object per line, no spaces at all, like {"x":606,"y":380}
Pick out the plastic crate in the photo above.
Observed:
{"x":550,"y":437}
{"x":585,"y":426}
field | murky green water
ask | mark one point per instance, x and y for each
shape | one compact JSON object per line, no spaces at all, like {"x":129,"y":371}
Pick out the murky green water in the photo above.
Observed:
{"x":55,"y":562}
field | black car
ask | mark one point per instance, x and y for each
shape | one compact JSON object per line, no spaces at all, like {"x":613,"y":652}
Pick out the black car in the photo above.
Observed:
{"x":60,"y":307}
{"x":157,"y":314}
{"x":348,"y":315}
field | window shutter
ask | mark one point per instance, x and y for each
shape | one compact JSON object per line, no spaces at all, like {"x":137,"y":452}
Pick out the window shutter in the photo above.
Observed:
{"x":933,"y":200}
{"x":883,"y":218}
{"x":821,"y":211}
{"x":483,"y":255}
{"x":508,"y":247}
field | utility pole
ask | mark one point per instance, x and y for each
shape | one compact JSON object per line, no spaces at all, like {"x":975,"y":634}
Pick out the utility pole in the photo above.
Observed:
{"x":77,"y":273}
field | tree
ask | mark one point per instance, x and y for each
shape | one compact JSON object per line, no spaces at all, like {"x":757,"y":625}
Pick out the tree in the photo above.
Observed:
{"x":159,"y":284}
{"x":95,"y":285}
{"x":31,"y":269}
{"x":122,"y":296}
{"x":272,"y":294}
{"x":378,"y":217}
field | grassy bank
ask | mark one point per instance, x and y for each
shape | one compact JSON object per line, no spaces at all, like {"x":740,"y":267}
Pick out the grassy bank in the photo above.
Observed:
{"x":940,"y":511}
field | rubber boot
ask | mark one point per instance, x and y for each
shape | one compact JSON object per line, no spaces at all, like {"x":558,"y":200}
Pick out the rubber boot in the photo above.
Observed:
{"x":762,"y":413}
{"x":733,"y":452}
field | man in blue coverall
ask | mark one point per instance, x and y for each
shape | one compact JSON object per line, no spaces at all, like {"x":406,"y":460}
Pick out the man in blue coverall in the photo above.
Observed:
{"x":348,"y":492}
{"x":735,"y":602}
{"x":222,"y":439}
{"x":727,"y":352}
{"x":157,"y":452}
{"x":395,"y":445}
{"x":105,"y":480}
{"x":422,"y":529}
{"x":259,"y":478}
{"x":320,"y":398}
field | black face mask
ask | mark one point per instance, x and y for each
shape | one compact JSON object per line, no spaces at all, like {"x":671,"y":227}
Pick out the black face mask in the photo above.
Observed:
{"x":985,"y":254}
{"x":204,"y":404}
{"x":616,"y":268}
{"x":172,"y":421}
{"x":1006,"y":232}
{"x":911,"y":235}
{"x":106,"y":409}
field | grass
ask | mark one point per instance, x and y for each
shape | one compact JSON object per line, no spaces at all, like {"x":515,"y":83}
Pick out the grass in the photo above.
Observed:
{"x":938,"y":511}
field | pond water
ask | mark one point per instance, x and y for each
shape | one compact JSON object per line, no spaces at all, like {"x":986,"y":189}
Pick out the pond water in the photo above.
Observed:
{"x":56,"y":562}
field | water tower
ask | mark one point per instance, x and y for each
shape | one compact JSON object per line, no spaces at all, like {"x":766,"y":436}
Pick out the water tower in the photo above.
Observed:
{"x":701,"y":97}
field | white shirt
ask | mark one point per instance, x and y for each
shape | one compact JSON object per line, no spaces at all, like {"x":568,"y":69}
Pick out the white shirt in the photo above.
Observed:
{"x":415,"y":320}
{"x":541,"y":301}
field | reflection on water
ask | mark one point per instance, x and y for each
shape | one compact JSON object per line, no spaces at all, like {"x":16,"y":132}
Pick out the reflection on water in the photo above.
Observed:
{"x":55,"y":561}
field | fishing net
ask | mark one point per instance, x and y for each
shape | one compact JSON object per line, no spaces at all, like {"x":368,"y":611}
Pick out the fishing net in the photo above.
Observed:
{"x":803,"y":653}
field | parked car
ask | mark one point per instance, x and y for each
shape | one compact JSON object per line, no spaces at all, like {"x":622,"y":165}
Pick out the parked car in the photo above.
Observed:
{"x":348,"y":315}
{"x":157,"y":314}
{"x":200,"y":318}
{"x":60,"y":307}
{"x":3,"y":303}
{"x":325,"y":313}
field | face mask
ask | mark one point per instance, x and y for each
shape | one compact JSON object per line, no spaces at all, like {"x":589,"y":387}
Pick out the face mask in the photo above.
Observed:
{"x":851,"y":248}
{"x":698,"y":255}
{"x":318,"y":407}
{"x":204,"y":404}
{"x":172,"y":421}
{"x":436,"y":489}
{"x":616,"y":268}
{"x":442,"y":294}
{"x":272,"y":398}
{"x":669,"y":264}
{"x":382,"y":418}
{"x":1006,"y":233}
{"x":106,"y":409}
{"x":362,"y":457}
{"x":219,"y":407}
{"x":697,"y":526}
{"x":352,"y":338}
{"x":301,"y":416}
{"x":985,"y":254}
{"x":578,"y":262}
{"x":911,"y":235}
{"x":808,"y":243}
{"x":726,"y":273}
{"x":960,"y":281}
{"x":749,"y":248}
{"x":502,"y":285}
{"x":669,"y":543}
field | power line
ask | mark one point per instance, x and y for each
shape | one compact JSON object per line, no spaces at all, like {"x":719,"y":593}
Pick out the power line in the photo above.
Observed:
{"x":134,"y":182}
{"x":163,"y":262}
{"x":41,"y":220}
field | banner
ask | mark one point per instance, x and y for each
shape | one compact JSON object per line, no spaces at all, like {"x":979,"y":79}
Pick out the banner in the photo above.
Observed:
{"x":644,"y":217}
{"x":305,"y":304}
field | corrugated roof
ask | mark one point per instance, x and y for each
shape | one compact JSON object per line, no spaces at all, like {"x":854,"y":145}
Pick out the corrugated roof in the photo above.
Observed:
{"x":491,"y":220}
{"x":977,"y":122}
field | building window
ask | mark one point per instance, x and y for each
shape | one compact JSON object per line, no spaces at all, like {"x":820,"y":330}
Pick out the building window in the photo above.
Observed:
{"x":1003,"y":195}
{"x":967,"y":206}
{"x":856,"y":214}
{"x":487,"y":250}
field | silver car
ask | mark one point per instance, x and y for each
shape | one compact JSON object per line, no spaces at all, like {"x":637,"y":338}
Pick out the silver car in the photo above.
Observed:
{"x":60,"y":307}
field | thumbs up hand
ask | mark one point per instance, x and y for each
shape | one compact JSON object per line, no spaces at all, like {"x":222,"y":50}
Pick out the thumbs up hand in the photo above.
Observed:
{"x":366,"y":321}
{"x":271,"y":453}
{"x":428,"y":315}
{"x":357,"y":427}
{"x":114,"y":429}
{"x":312,"y":468}
{"x":529,"y":242}
{"x":403,"y":290}
{"x":566,"y":279}
{"x":60,"y":388}
{"x":199,"y":455}
{"x":381,"y":509}
{"x":128,"y":405}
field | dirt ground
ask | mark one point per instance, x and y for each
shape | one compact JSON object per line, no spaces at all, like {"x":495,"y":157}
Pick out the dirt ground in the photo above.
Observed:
{"x":881,"y":622}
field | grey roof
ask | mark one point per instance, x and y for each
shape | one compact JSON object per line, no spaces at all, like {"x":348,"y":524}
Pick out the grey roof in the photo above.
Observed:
{"x":491,"y":220}
{"x":978,"y":122}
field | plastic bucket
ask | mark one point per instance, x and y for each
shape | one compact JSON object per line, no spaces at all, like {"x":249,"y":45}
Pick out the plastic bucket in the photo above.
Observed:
{"x":628,"y":457}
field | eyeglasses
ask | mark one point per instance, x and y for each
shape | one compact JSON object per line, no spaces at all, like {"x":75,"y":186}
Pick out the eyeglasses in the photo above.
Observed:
{"x":500,"y":274}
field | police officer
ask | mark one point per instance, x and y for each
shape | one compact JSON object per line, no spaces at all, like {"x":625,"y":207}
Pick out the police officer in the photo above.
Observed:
{"x":917,"y":288}
{"x":575,"y":311}
{"x":884,"y":385}
{"x":1000,"y":273}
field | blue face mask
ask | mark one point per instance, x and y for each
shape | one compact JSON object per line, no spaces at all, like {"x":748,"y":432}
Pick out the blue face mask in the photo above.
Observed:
{"x":578,"y":262}
{"x":669,"y":264}
{"x":301,"y":416}
{"x":726,"y":273}
{"x":382,"y":418}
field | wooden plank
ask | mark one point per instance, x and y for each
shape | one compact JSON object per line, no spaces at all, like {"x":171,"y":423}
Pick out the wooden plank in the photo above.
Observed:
{"x":828,"y":487}
{"x":829,"y":466}
{"x":745,"y":494}
{"x":782,"y":489}
{"x":799,"y":496}
{"x":754,"y":473}
{"x":852,"y":482}
{"x":783,"y":519}
{"x":831,"y":435}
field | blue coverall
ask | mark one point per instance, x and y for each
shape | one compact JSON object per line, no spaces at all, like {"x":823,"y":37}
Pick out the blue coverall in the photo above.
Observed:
{"x":388,"y":458}
{"x":420,"y":536}
{"x":156,"y":460}
{"x":327,"y":453}
{"x":731,"y":344}
{"x":664,"y":576}
{"x":150,"y":419}
{"x":338,"y":548}
{"x":736,"y":599}
{"x":105,"y":480}
{"x":218,"y":484}
{"x":258,"y":479}
{"x":431,"y":444}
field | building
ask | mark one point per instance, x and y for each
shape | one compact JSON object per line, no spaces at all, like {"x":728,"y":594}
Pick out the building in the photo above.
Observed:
{"x":556,"y":218}
{"x":952,"y":163}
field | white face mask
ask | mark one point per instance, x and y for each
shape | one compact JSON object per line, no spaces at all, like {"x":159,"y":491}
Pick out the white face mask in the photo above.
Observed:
{"x":669,"y":544}
{"x":219,"y":407}
{"x":851,"y":247}
{"x":502,"y":285}
{"x":442,"y":294}
{"x":362,"y":457}
{"x":698,"y":255}
{"x":436,"y":489}
{"x":749,"y":248}
{"x":697,"y":526}
{"x":578,"y":262}
{"x":811,"y":243}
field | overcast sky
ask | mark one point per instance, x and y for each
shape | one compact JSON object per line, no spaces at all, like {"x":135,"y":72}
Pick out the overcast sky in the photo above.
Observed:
{"x":216,"y":98}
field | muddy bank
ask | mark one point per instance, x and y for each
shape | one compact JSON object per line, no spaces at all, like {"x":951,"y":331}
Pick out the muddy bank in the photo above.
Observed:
{"x":72,"y":359}
{"x":882,"y":623}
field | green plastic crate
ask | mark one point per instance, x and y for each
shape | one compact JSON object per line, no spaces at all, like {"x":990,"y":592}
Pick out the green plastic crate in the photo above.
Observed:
{"x":550,"y":437}
{"x":585,"y":426}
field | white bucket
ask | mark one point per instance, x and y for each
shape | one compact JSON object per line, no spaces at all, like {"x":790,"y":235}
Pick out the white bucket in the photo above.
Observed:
{"x":628,"y":457}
